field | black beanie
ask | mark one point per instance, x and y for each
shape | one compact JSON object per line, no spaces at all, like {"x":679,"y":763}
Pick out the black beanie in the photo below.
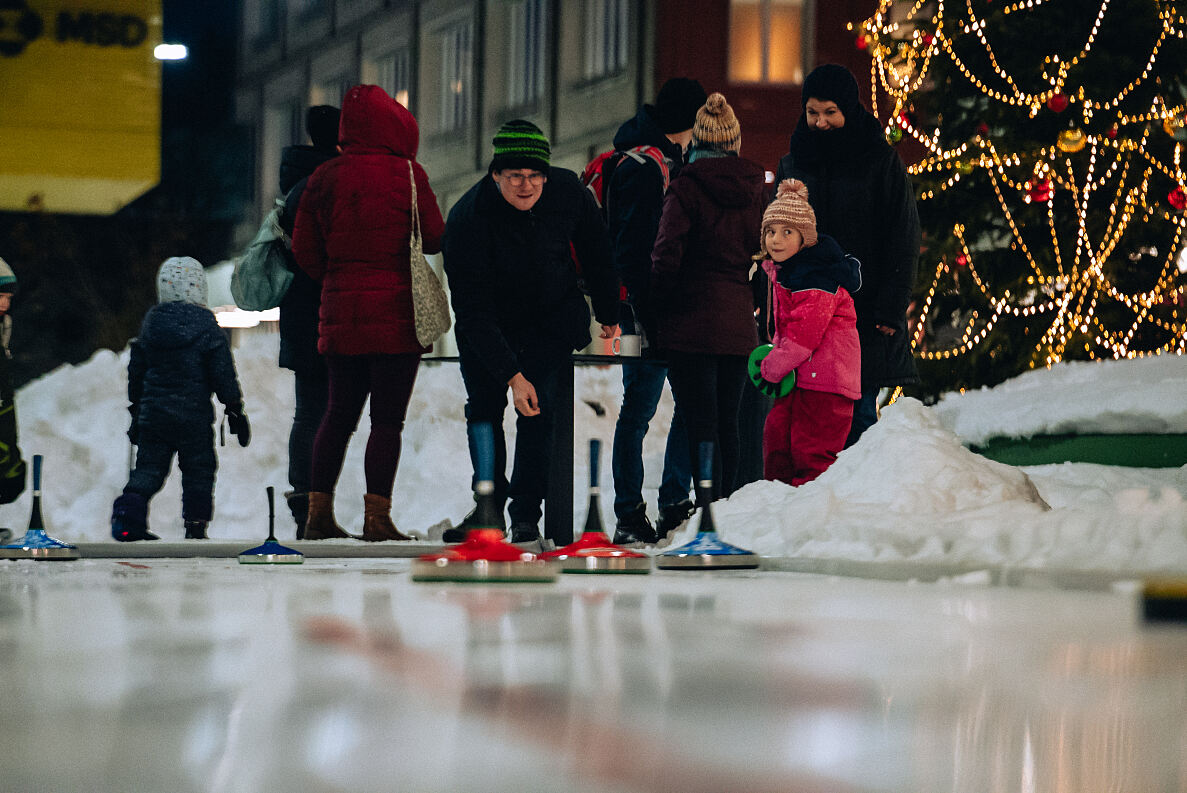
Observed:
{"x":677,"y":104}
{"x":520,"y":144}
{"x":833,"y":83}
{"x":321,"y":122}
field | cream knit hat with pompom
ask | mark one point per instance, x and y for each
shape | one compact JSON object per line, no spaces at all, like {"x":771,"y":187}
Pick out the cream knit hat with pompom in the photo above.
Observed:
{"x":716,"y":126}
{"x":791,"y":207}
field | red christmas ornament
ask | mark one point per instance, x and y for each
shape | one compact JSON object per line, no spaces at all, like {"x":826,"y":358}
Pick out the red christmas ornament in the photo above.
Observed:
{"x":1058,"y":102}
{"x":927,"y":39}
{"x":1038,"y":190}
{"x":982,"y":129}
{"x":1111,"y":132}
{"x":1177,"y":198}
{"x":962,"y":260}
{"x":861,"y":42}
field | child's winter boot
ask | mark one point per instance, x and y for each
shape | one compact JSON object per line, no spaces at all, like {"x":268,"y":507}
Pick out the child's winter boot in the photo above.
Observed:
{"x":129,"y":518}
{"x":298,"y":505}
{"x":195,"y":530}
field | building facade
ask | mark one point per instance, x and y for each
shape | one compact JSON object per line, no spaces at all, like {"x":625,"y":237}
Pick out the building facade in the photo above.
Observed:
{"x":576,"y":68}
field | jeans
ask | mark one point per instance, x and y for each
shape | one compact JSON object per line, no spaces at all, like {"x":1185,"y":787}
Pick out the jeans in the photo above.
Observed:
{"x":312,"y":393}
{"x":486,"y":401}
{"x":642,"y":386}
{"x":865,"y":415}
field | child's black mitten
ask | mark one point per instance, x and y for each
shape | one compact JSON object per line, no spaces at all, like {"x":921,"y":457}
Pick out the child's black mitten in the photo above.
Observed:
{"x":238,"y":424}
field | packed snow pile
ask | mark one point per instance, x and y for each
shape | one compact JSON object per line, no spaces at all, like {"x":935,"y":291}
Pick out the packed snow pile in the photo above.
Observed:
{"x":909,"y":491}
{"x":1143,"y":395}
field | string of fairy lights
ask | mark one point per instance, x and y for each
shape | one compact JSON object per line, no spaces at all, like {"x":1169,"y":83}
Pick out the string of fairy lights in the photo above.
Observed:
{"x":1111,"y":171}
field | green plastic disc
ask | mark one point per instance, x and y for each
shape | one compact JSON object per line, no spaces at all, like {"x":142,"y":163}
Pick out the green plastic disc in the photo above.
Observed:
{"x":753,"y":368}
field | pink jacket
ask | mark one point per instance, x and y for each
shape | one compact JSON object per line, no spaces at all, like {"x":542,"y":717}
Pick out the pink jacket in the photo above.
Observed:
{"x":815,"y":336}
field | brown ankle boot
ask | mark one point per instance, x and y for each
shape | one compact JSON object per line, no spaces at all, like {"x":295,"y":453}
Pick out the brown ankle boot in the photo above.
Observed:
{"x":377,"y":520}
{"x":320,"y":525}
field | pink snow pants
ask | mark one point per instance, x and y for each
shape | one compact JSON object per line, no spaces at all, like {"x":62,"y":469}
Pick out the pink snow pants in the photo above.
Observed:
{"x":803,"y":433}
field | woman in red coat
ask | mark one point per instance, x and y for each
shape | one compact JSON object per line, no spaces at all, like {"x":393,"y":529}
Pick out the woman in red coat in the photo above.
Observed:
{"x":352,"y":235}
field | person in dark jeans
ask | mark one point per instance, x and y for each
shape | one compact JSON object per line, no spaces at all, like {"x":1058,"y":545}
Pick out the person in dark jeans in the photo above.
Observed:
{"x":633,"y":204}
{"x":299,"y":309}
{"x":700,"y":282}
{"x":509,"y":244}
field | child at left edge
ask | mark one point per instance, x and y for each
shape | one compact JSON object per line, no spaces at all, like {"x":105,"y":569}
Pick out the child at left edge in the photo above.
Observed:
{"x":12,"y":466}
{"x":180,"y":357}
{"x":815,"y":336}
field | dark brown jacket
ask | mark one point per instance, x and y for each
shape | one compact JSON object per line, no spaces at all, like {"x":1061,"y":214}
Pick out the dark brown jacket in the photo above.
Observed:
{"x":700,"y":266}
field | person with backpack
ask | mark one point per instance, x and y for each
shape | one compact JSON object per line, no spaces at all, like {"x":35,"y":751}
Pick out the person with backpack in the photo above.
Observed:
{"x":352,"y":235}
{"x":700,"y":283}
{"x":648,"y":152}
{"x":509,"y":245}
{"x":862,"y":197}
{"x":299,"y":309}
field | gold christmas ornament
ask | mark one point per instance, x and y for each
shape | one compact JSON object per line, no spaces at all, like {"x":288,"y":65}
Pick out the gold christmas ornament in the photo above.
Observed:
{"x":1071,"y":140}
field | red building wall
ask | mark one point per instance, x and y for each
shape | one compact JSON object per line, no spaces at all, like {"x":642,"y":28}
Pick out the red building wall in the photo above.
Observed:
{"x":692,"y":38}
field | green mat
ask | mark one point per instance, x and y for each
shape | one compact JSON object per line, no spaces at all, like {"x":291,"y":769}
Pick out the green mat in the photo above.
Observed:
{"x":1135,"y":451}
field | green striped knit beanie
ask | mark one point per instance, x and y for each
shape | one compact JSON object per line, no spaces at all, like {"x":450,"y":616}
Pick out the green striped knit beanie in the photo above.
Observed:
{"x":520,"y":144}
{"x":7,"y":278}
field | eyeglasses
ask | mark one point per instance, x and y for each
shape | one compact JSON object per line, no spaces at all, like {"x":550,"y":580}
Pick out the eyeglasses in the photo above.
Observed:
{"x":517,"y":179}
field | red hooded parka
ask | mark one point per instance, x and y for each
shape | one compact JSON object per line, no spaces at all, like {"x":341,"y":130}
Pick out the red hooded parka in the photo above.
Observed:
{"x":353,"y":228}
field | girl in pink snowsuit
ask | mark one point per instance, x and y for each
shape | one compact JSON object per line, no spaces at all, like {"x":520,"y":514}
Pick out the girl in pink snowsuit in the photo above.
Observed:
{"x":815,"y":336}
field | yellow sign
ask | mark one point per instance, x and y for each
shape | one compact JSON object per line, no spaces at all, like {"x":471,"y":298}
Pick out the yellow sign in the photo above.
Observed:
{"x":80,"y":104}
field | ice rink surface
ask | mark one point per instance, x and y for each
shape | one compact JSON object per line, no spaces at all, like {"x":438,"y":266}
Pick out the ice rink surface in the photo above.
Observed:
{"x":345,"y":675}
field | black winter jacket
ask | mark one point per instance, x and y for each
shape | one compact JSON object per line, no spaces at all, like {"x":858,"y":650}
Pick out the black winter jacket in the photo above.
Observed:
{"x":180,"y":357}
{"x":634,"y":202}
{"x":301,"y":303}
{"x":859,"y":190}
{"x":511,"y":274}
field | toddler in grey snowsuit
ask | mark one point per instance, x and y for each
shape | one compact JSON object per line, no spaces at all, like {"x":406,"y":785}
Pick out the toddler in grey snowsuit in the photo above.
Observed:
{"x":180,"y":357}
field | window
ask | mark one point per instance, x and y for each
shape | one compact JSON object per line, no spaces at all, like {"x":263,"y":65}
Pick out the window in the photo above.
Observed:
{"x":457,"y":48}
{"x":331,"y":91}
{"x":305,"y":9}
{"x":525,"y":62}
{"x":264,"y":24}
{"x":607,"y":25}
{"x":766,"y":41}
{"x":392,"y":73}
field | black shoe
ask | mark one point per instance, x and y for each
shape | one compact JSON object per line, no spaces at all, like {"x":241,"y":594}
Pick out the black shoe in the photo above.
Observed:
{"x":673,"y":517}
{"x":458,"y":532}
{"x":635,"y":529}
{"x":195,"y":530}
{"x":522,"y":531}
{"x":298,"y":505}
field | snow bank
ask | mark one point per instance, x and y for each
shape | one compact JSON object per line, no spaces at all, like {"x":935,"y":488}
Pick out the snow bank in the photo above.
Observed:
{"x":910,"y":491}
{"x":1144,"y":395}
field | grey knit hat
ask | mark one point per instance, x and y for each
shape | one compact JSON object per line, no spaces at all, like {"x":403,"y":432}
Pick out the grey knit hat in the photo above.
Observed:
{"x":181,"y":279}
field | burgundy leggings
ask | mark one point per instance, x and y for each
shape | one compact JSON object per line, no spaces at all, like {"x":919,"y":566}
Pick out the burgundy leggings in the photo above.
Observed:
{"x":388,"y":379}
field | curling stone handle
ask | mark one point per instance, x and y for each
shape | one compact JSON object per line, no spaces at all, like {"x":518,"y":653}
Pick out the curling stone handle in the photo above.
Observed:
{"x":595,"y":453}
{"x":482,"y":447}
{"x":37,"y":473}
{"x":271,"y":491}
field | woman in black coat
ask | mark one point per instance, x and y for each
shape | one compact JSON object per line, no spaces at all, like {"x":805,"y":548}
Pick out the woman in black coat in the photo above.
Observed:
{"x":858,"y":188}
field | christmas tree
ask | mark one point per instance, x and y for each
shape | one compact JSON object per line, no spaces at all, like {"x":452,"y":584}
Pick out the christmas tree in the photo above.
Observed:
{"x":1050,"y":179}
